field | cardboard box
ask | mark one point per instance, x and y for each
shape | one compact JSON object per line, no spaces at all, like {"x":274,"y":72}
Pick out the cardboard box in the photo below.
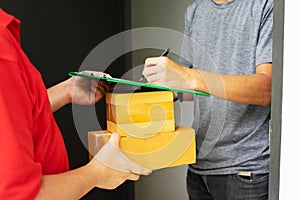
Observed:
{"x":143,"y":112}
{"x":162,"y":150}
{"x":142,"y":129}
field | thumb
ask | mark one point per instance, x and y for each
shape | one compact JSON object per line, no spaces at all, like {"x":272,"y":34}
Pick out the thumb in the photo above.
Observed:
{"x":114,"y":139}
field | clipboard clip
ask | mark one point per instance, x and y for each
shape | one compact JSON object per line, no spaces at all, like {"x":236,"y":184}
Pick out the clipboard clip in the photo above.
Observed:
{"x":90,"y":74}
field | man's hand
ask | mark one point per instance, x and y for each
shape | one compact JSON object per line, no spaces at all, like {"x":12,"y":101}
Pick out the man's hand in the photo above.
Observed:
{"x":164,"y":71}
{"x":113,"y":167}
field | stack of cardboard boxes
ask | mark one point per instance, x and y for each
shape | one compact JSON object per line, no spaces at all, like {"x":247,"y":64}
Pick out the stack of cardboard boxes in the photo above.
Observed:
{"x":145,"y":122}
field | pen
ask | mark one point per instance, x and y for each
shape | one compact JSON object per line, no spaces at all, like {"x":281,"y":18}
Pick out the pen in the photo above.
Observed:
{"x":165,"y":53}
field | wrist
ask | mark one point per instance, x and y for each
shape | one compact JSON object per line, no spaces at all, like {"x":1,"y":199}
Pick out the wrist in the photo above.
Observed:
{"x":96,"y":171}
{"x":196,"y":80}
{"x":191,"y":78}
{"x":59,"y":95}
{"x":99,"y":172}
{"x":68,"y":88}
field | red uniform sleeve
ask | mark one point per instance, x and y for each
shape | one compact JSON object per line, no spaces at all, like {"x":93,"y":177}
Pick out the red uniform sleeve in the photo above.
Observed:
{"x":20,"y":175}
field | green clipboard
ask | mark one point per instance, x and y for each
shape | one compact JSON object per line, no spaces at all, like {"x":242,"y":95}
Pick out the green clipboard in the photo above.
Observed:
{"x":139,"y":84}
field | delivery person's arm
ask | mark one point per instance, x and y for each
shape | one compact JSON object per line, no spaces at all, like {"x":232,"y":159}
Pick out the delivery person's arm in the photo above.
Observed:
{"x":108,"y":169}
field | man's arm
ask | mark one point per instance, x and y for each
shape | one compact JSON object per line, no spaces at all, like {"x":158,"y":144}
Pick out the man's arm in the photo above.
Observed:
{"x":245,"y":89}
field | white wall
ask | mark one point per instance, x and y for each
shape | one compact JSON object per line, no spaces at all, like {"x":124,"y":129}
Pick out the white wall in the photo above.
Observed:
{"x":290,"y":147}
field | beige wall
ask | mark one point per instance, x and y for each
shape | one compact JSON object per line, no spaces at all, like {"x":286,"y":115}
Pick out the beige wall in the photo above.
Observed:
{"x":156,"y":13}
{"x":167,"y":183}
{"x":160,"y":13}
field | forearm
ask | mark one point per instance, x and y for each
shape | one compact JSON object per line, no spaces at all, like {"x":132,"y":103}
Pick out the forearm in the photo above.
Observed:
{"x":245,"y":89}
{"x":69,"y":185}
{"x":108,"y":169}
{"x":58,"y":95}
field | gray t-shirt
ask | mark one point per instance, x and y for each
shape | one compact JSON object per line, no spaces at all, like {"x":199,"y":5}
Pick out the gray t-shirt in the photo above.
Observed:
{"x":230,"y":38}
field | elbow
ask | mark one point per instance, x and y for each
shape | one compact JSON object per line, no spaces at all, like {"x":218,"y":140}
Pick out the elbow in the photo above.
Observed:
{"x":265,"y":94}
{"x":266,"y":102}
{"x":265,"y":99}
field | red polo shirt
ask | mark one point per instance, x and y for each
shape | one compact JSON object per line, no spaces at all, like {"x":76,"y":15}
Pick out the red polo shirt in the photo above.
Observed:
{"x":31,"y":144}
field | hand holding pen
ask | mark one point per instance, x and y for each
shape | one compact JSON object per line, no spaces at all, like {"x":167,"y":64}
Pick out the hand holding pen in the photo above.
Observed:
{"x":165,"y":53}
{"x":166,"y":72}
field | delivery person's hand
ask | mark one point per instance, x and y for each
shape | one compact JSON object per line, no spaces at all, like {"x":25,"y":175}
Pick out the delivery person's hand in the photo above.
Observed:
{"x":85,"y":91}
{"x":114,"y":167}
{"x":78,"y":90}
